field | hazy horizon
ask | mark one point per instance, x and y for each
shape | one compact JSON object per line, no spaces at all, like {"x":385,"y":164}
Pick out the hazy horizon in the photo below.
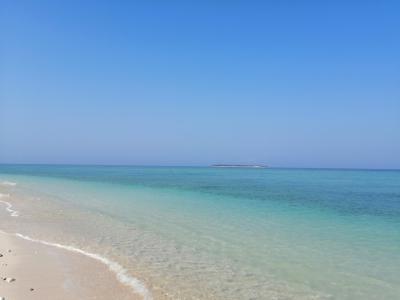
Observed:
{"x":189,"y":166}
{"x":311,"y":85}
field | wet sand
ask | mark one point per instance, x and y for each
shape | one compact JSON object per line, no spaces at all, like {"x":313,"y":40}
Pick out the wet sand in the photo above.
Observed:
{"x":30,"y":270}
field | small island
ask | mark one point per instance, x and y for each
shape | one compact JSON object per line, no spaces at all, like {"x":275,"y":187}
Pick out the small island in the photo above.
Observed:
{"x":238,"y":166}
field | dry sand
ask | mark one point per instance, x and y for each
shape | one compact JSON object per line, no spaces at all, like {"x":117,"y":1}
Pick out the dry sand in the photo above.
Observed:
{"x":45,"y":272}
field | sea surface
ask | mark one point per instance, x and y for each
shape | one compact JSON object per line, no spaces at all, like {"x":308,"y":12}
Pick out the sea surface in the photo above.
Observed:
{"x":219,"y":233}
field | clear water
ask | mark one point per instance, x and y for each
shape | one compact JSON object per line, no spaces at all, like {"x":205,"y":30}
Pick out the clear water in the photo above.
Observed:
{"x":210,"y":233}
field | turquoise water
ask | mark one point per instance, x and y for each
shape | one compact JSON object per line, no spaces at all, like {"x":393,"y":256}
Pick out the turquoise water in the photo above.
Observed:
{"x":211,"y":233}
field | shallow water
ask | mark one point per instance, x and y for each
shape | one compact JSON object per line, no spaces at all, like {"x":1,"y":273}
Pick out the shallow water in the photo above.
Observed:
{"x":209,"y":233}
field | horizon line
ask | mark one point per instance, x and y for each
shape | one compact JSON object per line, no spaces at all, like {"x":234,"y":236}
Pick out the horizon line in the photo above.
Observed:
{"x":194,"y":166}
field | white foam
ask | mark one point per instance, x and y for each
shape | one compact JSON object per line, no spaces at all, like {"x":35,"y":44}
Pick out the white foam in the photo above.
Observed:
{"x":9,"y":183}
{"x":13,"y":213}
{"x":121,"y":273}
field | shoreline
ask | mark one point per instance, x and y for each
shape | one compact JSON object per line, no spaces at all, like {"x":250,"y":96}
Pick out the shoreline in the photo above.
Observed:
{"x":40,"y":270}
{"x":30,"y":269}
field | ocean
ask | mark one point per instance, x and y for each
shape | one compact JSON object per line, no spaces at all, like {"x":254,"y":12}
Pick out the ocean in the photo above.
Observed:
{"x":218,"y":233}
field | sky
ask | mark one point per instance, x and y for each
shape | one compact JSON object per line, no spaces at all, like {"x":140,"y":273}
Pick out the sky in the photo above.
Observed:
{"x":282,"y":83}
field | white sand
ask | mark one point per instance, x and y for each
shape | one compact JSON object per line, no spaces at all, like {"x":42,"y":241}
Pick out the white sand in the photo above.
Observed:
{"x":54,"y":273}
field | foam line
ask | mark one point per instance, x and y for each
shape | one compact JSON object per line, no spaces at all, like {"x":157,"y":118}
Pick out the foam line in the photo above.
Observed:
{"x":10,"y":183}
{"x":121,"y":273}
{"x":13,"y":213}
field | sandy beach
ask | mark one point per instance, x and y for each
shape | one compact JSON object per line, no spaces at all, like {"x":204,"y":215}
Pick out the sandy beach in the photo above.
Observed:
{"x":31,"y":270}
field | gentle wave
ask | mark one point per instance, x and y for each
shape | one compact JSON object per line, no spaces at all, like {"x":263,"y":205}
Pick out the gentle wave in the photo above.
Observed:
{"x":13,"y":213}
{"x":120,"y":272}
{"x":9,"y":183}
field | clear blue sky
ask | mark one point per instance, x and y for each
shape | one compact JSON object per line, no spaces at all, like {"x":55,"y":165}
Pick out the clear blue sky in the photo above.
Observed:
{"x":178,"y":83}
